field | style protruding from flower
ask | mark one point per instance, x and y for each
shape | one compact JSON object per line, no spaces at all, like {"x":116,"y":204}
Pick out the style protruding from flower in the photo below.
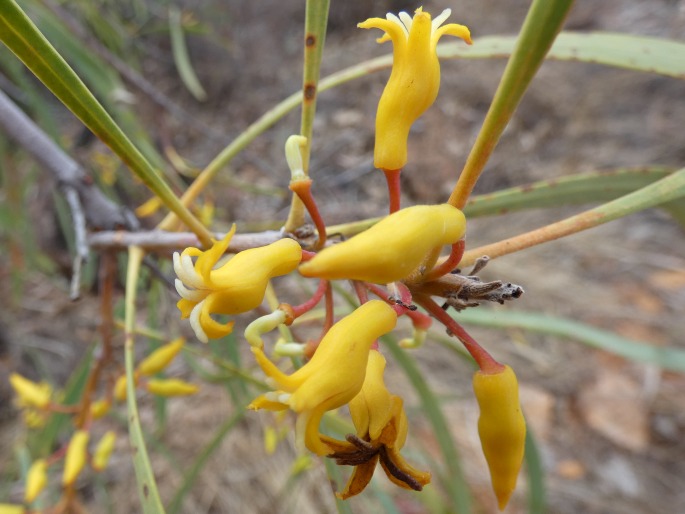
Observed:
{"x":381,"y":425}
{"x":332,"y":377}
{"x":391,"y":249}
{"x":236,"y":286}
{"x":502,"y":429}
{"x":414,"y":80}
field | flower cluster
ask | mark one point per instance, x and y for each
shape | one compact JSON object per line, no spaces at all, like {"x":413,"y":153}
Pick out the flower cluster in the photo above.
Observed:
{"x":398,"y":260}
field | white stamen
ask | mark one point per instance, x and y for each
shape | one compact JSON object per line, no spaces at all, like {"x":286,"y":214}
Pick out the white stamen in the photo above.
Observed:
{"x":284,"y":398}
{"x":195,"y":323}
{"x":440,"y":19}
{"x":393,"y":18}
{"x":193,"y":295}
{"x":406,"y":19}
{"x":178,"y":269}
{"x":190,"y":276}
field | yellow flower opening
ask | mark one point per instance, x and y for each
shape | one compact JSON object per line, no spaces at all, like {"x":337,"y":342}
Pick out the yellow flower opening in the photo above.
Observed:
{"x":392,"y":249}
{"x":236,"y":286}
{"x":381,"y":425}
{"x":414,"y":80}
{"x":332,"y":377}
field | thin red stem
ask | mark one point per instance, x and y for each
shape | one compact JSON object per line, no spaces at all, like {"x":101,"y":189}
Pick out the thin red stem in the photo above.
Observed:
{"x":360,"y":290}
{"x":449,"y":264}
{"x":299,"y":310}
{"x":303,"y":190}
{"x":485,"y":361}
{"x":394,"y":188}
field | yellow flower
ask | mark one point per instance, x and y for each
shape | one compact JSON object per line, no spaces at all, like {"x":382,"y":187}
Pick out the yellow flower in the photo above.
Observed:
{"x":502,"y":429}
{"x":414,"y":80}
{"x":392,"y":249}
{"x":104,"y":450}
{"x":171,"y":387}
{"x":237,"y":286}
{"x":332,"y":377}
{"x":75,"y":458}
{"x":160,"y":358}
{"x":8,"y":508}
{"x":29,"y":393}
{"x":36,"y":480}
{"x":381,"y":425}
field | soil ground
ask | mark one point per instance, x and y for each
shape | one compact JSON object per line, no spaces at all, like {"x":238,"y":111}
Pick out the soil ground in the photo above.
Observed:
{"x":611,"y":431}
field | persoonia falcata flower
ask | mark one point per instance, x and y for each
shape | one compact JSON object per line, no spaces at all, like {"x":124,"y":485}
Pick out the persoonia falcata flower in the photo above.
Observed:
{"x":391,"y":249}
{"x":36,"y":480}
{"x":236,"y":286}
{"x":332,"y":377}
{"x":75,"y":457}
{"x":381,"y":425}
{"x":502,"y":429}
{"x":414,"y":80}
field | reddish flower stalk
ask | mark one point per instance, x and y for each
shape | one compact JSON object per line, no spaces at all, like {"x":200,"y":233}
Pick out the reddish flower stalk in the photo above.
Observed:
{"x":303,"y":190}
{"x":485,"y":361}
{"x":394,"y":189}
{"x":448,"y":265}
{"x":299,"y":310}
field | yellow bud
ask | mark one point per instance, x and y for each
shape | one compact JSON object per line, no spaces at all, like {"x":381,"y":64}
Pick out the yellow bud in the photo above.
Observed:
{"x":171,"y":387}
{"x":75,"y":458}
{"x":30,"y":394}
{"x":104,"y":450}
{"x":392,"y":248}
{"x":120,"y":389}
{"x":7,"y":508}
{"x":502,"y":429}
{"x":36,"y":480}
{"x":100,"y":408}
{"x":161,"y":357}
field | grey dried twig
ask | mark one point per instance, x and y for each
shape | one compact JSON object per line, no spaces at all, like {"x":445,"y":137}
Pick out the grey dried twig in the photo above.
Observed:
{"x":88,"y":205}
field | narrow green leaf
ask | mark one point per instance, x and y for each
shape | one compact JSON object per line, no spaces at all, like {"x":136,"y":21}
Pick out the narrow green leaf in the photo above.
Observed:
{"x":455,"y":483}
{"x":666,"y":357}
{"x":145,"y":478}
{"x":181,"y":57}
{"x":536,"y":476}
{"x":633,"y":52}
{"x":570,"y":190}
{"x":315,"y":22}
{"x":194,"y":470}
{"x":19,"y":33}
{"x":541,"y":26}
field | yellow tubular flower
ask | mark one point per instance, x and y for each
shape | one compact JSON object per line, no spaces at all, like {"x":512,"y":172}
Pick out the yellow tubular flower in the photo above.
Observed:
{"x":237,"y":286}
{"x":75,"y":458}
{"x":161,"y":357}
{"x":414,"y":80}
{"x":100,"y":407}
{"x":332,"y":377}
{"x":502,"y":429}
{"x":29,"y":393}
{"x":171,"y":387}
{"x":36,"y":480}
{"x":8,"y":508}
{"x":104,"y":450}
{"x":381,"y":425}
{"x":392,"y":249}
